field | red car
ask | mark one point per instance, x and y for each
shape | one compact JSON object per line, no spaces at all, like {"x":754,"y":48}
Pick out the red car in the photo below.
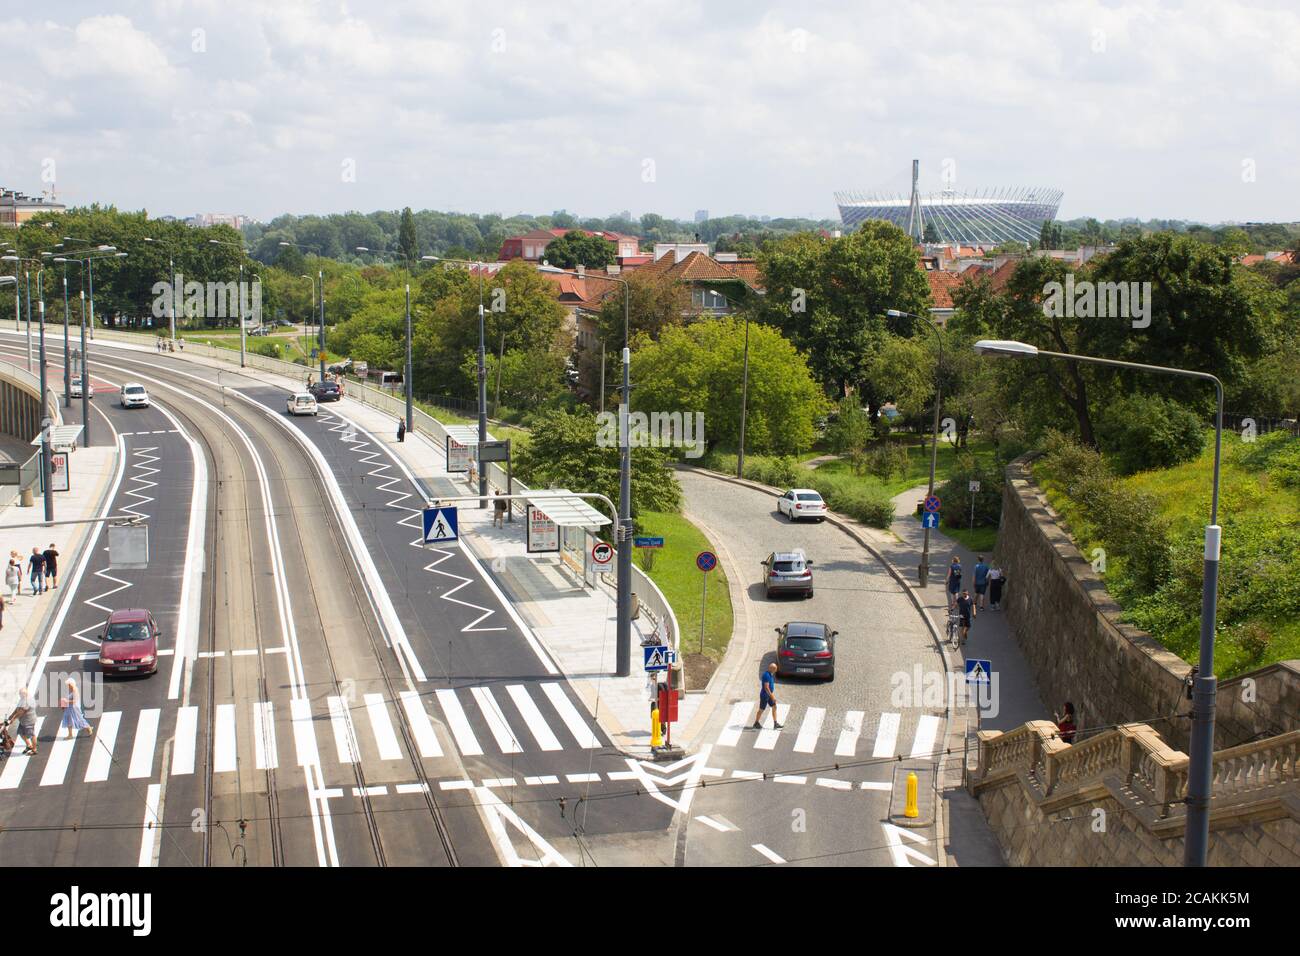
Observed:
{"x":129,"y":644}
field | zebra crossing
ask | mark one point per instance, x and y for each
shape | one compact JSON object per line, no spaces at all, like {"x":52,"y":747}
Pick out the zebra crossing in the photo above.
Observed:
{"x":474,"y":721}
{"x":814,"y":732}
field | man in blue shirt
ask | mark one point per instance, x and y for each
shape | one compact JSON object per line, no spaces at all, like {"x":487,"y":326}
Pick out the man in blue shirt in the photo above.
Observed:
{"x":981,"y":581}
{"x":766,"y":697}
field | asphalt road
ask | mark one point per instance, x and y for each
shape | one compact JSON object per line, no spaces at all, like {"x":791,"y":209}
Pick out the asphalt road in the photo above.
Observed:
{"x":807,"y":801}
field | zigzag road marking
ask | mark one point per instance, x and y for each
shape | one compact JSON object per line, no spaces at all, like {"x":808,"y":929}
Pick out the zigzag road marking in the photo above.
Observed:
{"x":367,"y":454}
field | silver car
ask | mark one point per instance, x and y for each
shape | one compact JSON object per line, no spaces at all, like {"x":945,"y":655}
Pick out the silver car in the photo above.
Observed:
{"x":788,"y":572}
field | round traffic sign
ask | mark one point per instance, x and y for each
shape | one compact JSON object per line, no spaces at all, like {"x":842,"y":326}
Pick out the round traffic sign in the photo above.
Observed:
{"x":706,"y":560}
{"x":602,"y":552}
{"x":932,"y":503}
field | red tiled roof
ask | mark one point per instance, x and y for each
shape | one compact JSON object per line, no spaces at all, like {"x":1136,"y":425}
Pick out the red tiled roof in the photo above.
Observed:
{"x":942,"y":284}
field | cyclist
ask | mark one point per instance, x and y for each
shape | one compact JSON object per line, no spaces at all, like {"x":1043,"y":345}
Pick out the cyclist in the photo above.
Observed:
{"x":966,"y":609}
{"x":954,"y":580}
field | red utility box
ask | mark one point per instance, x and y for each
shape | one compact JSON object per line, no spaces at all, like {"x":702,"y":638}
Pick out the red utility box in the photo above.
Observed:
{"x":667,"y":705}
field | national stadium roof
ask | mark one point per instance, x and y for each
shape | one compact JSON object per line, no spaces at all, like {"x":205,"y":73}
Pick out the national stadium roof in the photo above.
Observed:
{"x":978,"y":218}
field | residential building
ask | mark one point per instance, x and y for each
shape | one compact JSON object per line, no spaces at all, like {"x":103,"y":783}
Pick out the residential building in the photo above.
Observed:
{"x":532,"y":245}
{"x":16,"y":208}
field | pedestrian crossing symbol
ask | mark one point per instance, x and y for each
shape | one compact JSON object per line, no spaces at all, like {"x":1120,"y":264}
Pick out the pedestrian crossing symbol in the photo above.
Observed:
{"x":656,"y":657}
{"x":439,"y":525}
{"x":978,"y":671}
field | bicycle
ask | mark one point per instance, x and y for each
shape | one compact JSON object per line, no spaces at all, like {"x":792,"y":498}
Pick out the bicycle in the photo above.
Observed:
{"x":954,"y":628}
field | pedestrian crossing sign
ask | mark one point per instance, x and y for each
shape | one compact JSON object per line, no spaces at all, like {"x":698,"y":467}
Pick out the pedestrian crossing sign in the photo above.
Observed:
{"x":657,"y":657}
{"x":439,"y":525}
{"x":978,"y":671}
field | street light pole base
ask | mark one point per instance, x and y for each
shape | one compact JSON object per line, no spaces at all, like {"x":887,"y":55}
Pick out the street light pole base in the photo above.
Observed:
{"x":923,"y":573}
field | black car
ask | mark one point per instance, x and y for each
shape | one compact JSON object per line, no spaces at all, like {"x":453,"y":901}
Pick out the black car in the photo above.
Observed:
{"x":325,"y":391}
{"x":804,"y":649}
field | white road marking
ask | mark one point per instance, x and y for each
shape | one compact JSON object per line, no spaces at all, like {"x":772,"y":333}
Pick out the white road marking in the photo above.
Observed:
{"x":304,"y":733}
{"x":496,"y":721}
{"x":886,"y":735}
{"x":809,"y":730}
{"x":16,"y":763}
{"x":101,"y":751}
{"x":768,"y":853}
{"x":500,"y":782}
{"x":224,"y":758}
{"x":582,"y":777}
{"x":747,"y":775}
{"x":876,"y":785}
{"x":582,"y":733}
{"x":56,"y":767}
{"x":375,"y":791}
{"x":789,"y":778}
{"x":268,"y":756}
{"x":149,"y":830}
{"x":345,"y":739}
{"x":740,"y":713}
{"x":849,"y":734}
{"x":542,"y":780}
{"x":425,"y":738}
{"x":456,"y":784}
{"x":533,"y":718}
{"x":146,"y":738}
{"x":466,"y":742}
{"x":412,"y":788}
{"x":927,"y":729}
{"x":833,"y":784}
{"x":183,"y":740}
{"x":715,"y":824}
{"x":768,"y":735}
{"x":382,"y":727}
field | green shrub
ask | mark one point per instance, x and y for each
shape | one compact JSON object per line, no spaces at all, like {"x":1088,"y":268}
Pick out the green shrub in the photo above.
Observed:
{"x":957,"y":496}
{"x":1276,"y":453}
{"x":1143,"y":432}
{"x":264,"y":347}
{"x":887,"y":460}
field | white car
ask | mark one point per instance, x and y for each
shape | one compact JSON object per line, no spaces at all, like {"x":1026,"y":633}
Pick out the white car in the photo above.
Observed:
{"x":302,"y":403}
{"x":74,"y":389}
{"x":134,"y":396}
{"x":799,"y":503}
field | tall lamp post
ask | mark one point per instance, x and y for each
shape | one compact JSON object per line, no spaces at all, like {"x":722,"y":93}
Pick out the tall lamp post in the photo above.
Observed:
{"x":744,"y":381}
{"x":1205,"y":686}
{"x":406,"y":372}
{"x":623,"y":604}
{"x":171,"y":283}
{"x":242,"y":330}
{"x":27,"y":275}
{"x":320,"y":275}
{"x":67,"y":370}
{"x":87,"y":263}
{"x":923,"y":571}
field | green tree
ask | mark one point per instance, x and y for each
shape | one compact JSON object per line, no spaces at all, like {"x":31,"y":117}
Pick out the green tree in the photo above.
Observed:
{"x":577,"y":248}
{"x":407,"y":242}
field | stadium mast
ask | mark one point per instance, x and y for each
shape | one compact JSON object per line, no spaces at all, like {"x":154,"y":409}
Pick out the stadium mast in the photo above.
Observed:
{"x":915,"y":226}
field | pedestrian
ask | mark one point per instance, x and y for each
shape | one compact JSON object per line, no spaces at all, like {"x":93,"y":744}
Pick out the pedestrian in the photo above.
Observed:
{"x":180,"y":344}
{"x":52,"y":565}
{"x":766,"y":696}
{"x":74,"y":718}
{"x":1065,"y":725}
{"x":967,"y":612}
{"x":981,"y":582}
{"x":14,"y":577}
{"x":36,"y":568}
{"x":25,"y":714}
{"x":2,"y":612}
{"x":997,"y":581}
{"x":954,"y":580}
{"x":401,"y":429}
{"x":499,"y":506}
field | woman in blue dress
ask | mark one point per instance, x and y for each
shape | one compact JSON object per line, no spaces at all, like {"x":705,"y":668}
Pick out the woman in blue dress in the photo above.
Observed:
{"x":74,"y":719}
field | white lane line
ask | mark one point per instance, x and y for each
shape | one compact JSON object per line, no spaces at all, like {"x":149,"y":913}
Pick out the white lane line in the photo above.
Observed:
{"x":809,"y":730}
{"x":886,"y":735}
{"x":927,"y":730}
{"x":533,"y":718}
{"x":16,"y":763}
{"x":245,"y":652}
{"x":381,"y":725}
{"x":496,"y":721}
{"x":543,"y":780}
{"x":582,"y":733}
{"x":223,"y":739}
{"x":345,"y":739}
{"x":456,"y":784}
{"x":746,"y":775}
{"x":466,"y":742}
{"x":500,"y":782}
{"x":146,"y":739}
{"x":768,"y":735}
{"x":101,"y":750}
{"x":875,"y":785}
{"x":582,"y":777}
{"x":425,"y":738}
{"x":304,"y":732}
{"x":832,"y":784}
{"x":183,"y":740}
{"x":740,"y":713}
{"x":789,"y":778}
{"x":376,"y":791}
{"x":267,"y":754}
{"x":768,"y":853}
{"x":412,"y":788}
{"x":56,"y":768}
{"x":849,"y":734}
{"x":716,"y":824}
{"x":149,"y":831}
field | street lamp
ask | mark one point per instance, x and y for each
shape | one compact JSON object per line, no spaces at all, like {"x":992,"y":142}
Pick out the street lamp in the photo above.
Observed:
{"x":406,"y":374}
{"x":67,"y":371}
{"x":1205,"y":687}
{"x":321,"y":278}
{"x":240,"y":247}
{"x":923,"y":571}
{"x":744,"y":382}
{"x":14,"y":258}
{"x":88,"y":262}
{"x":171,"y":282}
{"x":623,"y":604}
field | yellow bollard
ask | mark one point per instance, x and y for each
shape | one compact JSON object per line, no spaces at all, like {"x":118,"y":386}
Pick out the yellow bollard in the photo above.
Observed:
{"x":910,"y":811}
{"x":656,"y":734}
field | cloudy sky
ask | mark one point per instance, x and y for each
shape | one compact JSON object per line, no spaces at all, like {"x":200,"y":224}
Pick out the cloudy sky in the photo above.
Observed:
{"x":1183,"y":110}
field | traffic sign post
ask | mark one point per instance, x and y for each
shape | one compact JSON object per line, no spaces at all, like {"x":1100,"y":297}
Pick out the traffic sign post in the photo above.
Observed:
{"x":932,"y":503}
{"x":602,"y":552}
{"x":978,"y":671}
{"x":930,"y":519}
{"x":974,"y":488}
{"x":440,"y":525}
{"x":706,"y":561}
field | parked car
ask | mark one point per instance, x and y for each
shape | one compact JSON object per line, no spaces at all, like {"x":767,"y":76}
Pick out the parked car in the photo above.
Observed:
{"x":74,"y":390}
{"x":134,"y":396}
{"x":788,"y":572}
{"x":303,"y":403}
{"x":800,"y":503}
{"x":284,"y":323}
{"x":129,"y":643}
{"x":325,"y":391}
{"x":341,"y":368}
{"x":805,"y":649}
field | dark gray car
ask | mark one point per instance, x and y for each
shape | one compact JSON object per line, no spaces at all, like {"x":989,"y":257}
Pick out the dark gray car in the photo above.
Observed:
{"x":788,"y":572}
{"x":805,"y":649}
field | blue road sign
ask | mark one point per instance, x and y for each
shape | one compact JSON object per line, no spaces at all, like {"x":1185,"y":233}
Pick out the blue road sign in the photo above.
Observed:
{"x":977,"y":671}
{"x":706,"y":560}
{"x":930,"y":519}
{"x":440,"y":525}
{"x":657,"y":658}
{"x":648,"y":542}
{"x":932,"y":503}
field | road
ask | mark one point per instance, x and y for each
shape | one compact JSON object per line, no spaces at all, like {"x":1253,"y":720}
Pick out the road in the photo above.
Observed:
{"x":817,"y":791}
